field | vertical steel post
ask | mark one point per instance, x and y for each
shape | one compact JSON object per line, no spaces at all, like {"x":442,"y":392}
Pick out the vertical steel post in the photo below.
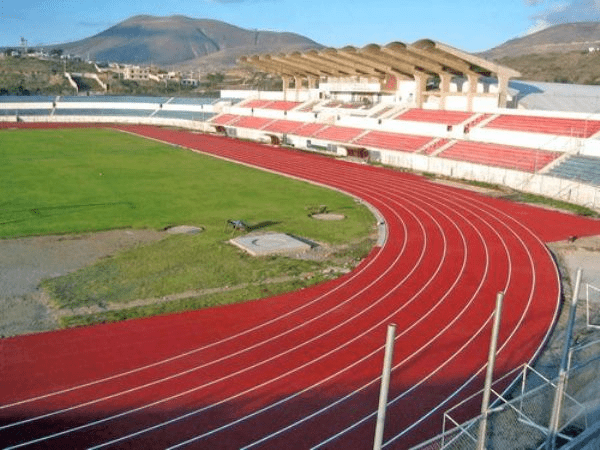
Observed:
{"x":562,"y":374}
{"x":385,"y":385}
{"x":485,"y":403}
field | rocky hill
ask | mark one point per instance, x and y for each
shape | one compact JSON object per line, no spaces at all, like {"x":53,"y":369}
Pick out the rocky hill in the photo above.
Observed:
{"x":562,"y":38}
{"x":178,"y":40}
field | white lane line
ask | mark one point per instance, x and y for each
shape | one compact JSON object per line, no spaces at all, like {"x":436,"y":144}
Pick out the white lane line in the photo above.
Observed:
{"x":187,"y":392}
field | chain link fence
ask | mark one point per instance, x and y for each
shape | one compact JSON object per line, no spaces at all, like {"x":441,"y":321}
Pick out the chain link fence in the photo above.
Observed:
{"x":520,"y":417}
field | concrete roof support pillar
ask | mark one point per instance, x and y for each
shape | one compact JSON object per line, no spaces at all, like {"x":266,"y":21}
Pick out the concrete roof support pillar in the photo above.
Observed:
{"x":420,"y":88}
{"x":312,"y":83}
{"x":286,"y":86}
{"x":445,"y":79}
{"x":502,"y":90}
{"x":473,"y":79}
{"x":298,"y":86}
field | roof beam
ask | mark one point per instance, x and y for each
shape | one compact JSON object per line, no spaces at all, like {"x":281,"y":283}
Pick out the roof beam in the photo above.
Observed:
{"x":296,"y":69}
{"x":400,"y":52}
{"x":329,"y":56}
{"x":477,"y":64}
{"x":311,"y":58}
{"x":269,"y":68}
{"x":379,"y":69}
{"x":458,"y":66}
{"x":375,"y":53}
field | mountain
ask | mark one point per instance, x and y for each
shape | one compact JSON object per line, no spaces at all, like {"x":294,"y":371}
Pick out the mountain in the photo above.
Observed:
{"x":562,"y":38}
{"x":179,"y":40}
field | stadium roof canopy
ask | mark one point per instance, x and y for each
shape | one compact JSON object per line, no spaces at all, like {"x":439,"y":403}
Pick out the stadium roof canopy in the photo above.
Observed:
{"x":420,"y":61}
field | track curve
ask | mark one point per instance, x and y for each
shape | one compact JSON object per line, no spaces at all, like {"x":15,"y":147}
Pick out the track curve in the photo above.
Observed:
{"x":301,"y":370}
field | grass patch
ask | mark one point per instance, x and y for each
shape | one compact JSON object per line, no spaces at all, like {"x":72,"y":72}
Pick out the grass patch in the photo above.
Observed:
{"x":74,"y":181}
{"x":192,"y":303}
{"x":558,"y":204}
{"x":178,"y":264}
{"x":481,"y":184}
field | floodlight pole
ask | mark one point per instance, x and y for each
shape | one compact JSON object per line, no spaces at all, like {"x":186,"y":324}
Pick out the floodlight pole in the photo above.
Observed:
{"x":562,"y":374}
{"x":485,"y":403}
{"x":385,"y":385}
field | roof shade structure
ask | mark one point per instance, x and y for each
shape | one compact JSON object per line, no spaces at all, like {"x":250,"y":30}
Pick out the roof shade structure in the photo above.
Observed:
{"x":421,"y":61}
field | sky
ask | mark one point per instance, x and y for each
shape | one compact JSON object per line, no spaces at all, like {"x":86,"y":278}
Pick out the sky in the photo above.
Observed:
{"x":470,"y":25}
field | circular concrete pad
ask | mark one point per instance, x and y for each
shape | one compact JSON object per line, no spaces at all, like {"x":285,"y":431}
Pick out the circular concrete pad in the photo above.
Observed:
{"x":328,"y":216}
{"x":184,"y":229}
{"x":268,"y":244}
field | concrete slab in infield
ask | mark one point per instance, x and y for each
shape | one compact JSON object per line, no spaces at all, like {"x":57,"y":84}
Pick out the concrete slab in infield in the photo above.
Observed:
{"x":271,"y":243}
{"x":184,"y":229}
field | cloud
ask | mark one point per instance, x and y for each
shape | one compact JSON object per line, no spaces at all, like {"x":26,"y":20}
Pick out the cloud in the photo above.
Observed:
{"x":539,"y":25}
{"x":565,"y":12}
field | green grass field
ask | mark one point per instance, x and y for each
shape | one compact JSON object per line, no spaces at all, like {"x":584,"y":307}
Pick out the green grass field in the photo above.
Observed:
{"x":80,"y":180}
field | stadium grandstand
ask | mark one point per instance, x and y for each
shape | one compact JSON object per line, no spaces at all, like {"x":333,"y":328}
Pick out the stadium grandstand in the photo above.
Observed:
{"x":425,"y":107}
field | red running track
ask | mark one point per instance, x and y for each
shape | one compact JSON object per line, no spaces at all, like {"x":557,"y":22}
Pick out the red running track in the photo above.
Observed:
{"x":302,"y":370}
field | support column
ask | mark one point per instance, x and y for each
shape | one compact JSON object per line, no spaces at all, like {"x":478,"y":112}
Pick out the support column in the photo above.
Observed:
{"x":502,"y":90}
{"x":420,"y":88}
{"x":444,"y":88}
{"x":298,"y":87}
{"x":286,"y":86}
{"x":473,"y":79}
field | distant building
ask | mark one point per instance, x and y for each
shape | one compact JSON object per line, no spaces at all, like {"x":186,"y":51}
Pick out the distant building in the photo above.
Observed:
{"x":190,"y":81}
{"x":136,"y":73}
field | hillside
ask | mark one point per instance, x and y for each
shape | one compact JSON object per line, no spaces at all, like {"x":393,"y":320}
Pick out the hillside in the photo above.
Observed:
{"x":177,"y":40}
{"x":562,"y":38}
{"x":572,"y":67}
{"x":29,"y":76}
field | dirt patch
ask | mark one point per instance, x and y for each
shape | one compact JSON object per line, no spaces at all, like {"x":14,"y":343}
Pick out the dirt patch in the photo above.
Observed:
{"x":25,"y":262}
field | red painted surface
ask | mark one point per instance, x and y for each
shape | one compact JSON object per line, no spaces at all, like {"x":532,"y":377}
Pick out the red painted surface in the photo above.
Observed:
{"x":510,"y":157}
{"x":435,"y":116}
{"x":301,"y":369}
{"x":549,"y":125}
{"x":394,"y":141}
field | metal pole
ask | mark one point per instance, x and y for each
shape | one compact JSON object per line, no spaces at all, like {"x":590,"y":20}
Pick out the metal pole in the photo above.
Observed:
{"x":385,"y":385}
{"x":562,"y":374}
{"x":485,"y":403}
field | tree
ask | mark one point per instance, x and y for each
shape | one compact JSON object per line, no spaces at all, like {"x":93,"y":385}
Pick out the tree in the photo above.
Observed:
{"x":215,"y":79}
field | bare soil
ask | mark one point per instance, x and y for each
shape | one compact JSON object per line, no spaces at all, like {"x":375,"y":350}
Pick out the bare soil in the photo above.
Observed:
{"x":25,"y":262}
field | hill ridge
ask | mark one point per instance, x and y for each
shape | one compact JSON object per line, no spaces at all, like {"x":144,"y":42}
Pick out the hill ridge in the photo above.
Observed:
{"x":561,"y":38}
{"x":177,"y":39}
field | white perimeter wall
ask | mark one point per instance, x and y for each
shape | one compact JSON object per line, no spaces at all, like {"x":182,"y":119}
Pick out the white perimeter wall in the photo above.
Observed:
{"x":547,"y":186}
{"x":535,"y":183}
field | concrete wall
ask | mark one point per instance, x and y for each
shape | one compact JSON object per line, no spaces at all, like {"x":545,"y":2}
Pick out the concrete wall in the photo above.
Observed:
{"x":548,"y":186}
{"x":591,"y":147}
{"x":182,"y":123}
{"x":531,"y":140}
{"x":25,"y":105}
{"x":293,"y":95}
